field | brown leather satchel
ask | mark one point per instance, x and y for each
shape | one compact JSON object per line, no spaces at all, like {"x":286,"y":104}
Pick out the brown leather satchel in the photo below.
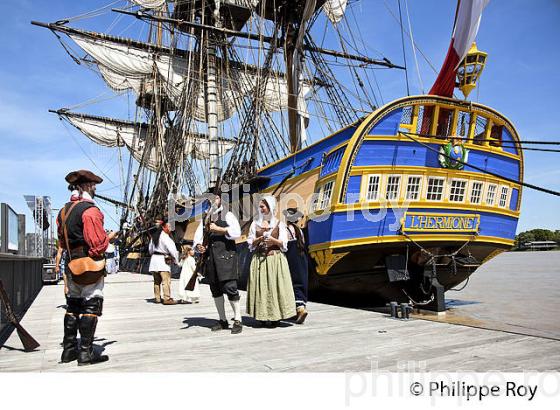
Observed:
{"x":84,"y":270}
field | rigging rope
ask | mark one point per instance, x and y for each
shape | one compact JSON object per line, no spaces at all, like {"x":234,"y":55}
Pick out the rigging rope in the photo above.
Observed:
{"x":418,"y":48}
{"x":86,"y":154}
{"x":513,"y":181}
{"x":413,"y":48}
{"x":403,"y":49}
{"x":535,"y":142}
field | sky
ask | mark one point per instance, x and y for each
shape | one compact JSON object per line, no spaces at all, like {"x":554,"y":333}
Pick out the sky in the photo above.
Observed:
{"x":521,"y":80}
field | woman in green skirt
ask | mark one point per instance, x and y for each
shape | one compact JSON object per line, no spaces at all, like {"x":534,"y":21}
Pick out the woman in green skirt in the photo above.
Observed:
{"x":270,"y":295}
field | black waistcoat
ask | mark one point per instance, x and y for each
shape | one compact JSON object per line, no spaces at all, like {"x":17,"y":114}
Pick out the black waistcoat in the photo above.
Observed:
{"x":75,"y":228}
{"x":222,"y":253}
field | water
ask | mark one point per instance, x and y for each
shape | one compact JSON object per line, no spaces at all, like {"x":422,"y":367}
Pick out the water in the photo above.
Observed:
{"x":516,"y":292}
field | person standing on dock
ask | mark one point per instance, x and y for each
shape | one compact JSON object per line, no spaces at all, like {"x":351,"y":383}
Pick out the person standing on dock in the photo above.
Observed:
{"x":188,"y":267}
{"x":80,"y":232}
{"x":297,"y":260}
{"x":111,"y":257}
{"x":221,"y":266}
{"x":270,"y":296}
{"x":164,"y":252}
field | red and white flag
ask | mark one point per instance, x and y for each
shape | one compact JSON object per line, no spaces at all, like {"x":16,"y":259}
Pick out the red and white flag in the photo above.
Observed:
{"x":467,"y":21}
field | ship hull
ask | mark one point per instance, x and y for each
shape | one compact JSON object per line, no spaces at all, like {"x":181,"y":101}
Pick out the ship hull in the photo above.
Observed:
{"x":361,"y":278}
{"x":389,"y":216}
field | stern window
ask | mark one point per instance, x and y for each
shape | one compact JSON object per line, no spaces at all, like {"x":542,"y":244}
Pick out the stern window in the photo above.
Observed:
{"x":413,"y":188}
{"x":435,"y":188}
{"x":476,"y":192}
{"x":393,"y":185}
{"x":503,"y":196}
{"x":372,"y":188}
{"x":326,"y":195}
{"x":491,"y":194}
{"x":457,"y":191}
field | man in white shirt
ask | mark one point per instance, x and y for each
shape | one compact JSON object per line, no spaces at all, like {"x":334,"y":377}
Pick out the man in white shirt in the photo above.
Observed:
{"x":163,"y":250}
{"x":221,"y":264}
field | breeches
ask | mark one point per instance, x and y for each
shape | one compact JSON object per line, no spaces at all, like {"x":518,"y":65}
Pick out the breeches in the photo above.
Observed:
{"x":86,"y":292}
{"x":227,"y":287}
{"x":84,"y":299}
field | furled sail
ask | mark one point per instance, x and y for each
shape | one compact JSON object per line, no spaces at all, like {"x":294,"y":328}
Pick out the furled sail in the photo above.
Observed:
{"x":110,"y":132}
{"x":125,"y":66}
{"x":122,"y":59}
{"x":118,"y":82}
{"x":136,"y":146}
{"x":335,"y":9}
{"x":149,"y":4}
{"x":196,"y":147}
{"x":103,"y":131}
{"x":177,"y":73}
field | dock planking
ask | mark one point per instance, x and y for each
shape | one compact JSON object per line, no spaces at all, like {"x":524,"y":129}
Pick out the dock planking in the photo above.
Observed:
{"x":140,"y":336}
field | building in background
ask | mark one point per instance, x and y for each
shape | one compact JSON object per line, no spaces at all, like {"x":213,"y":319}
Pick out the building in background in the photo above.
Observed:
{"x":42,"y":244}
{"x":12,"y":231}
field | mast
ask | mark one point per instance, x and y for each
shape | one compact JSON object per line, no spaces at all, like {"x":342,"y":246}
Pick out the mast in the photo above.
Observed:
{"x":292,"y":78}
{"x":212,"y":85}
{"x":211,"y":90}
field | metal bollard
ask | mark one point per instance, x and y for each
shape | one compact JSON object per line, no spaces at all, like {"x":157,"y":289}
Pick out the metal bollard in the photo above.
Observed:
{"x":405,"y":311}
{"x":394,"y":310}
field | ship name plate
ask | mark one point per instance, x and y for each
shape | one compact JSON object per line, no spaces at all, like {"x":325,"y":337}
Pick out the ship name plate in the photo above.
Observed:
{"x":436,"y":222}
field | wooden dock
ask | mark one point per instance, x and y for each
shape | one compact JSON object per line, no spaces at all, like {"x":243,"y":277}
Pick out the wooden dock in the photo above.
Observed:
{"x":140,"y":336}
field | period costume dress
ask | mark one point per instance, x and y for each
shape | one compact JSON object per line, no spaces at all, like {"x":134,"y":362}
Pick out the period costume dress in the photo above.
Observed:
{"x":221,"y":268}
{"x":188,"y":267}
{"x":81,"y":233}
{"x":162,"y":252}
{"x":270,"y":296}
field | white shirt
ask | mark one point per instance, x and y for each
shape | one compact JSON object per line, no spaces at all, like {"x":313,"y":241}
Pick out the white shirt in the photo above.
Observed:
{"x":233,"y":229}
{"x":282,"y":235}
{"x":166,"y":246}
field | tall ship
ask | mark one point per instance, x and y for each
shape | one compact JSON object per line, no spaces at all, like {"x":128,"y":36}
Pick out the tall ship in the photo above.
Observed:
{"x":402,"y":201}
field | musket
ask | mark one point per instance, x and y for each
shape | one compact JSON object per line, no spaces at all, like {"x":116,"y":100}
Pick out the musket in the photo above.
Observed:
{"x":29,"y":343}
{"x":202,"y":260}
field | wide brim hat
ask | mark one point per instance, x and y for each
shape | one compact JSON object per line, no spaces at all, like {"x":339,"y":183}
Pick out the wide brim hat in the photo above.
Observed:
{"x":82,"y":176}
{"x":292,"y":214}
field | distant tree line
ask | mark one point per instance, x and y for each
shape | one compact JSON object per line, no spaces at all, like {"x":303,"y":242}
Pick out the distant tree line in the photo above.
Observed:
{"x":536,"y":235}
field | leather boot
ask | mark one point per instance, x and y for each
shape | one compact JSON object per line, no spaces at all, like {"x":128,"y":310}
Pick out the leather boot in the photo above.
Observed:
{"x":88,"y":323}
{"x":70,"y":341}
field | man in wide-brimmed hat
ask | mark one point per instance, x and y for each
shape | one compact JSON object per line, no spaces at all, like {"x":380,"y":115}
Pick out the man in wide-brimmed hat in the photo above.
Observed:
{"x":81,"y":233}
{"x":297,"y":261}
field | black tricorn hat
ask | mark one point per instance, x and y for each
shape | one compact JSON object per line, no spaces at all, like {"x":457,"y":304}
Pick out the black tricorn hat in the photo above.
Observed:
{"x":82,"y":176}
{"x":292,"y":214}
